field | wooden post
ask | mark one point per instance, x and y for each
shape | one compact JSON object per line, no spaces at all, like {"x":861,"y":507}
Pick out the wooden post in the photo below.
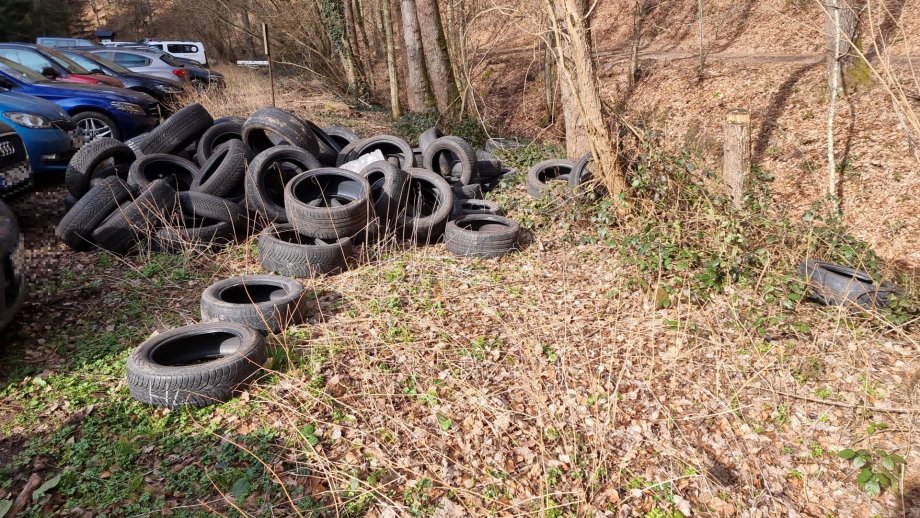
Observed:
{"x":268,"y":54}
{"x":737,"y":146}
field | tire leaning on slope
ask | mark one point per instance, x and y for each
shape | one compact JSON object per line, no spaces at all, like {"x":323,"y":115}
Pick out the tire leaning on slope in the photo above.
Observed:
{"x":262,"y":197}
{"x":178,"y":131}
{"x":424,"y":187}
{"x":77,"y":226}
{"x":285,"y":251}
{"x":215,"y":136}
{"x":130,"y":223}
{"x":196,"y":365}
{"x":84,"y":164}
{"x":267,"y":303}
{"x":223,"y":173}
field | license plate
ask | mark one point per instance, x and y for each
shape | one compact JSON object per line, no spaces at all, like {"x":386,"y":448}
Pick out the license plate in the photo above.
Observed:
{"x":16,"y":174}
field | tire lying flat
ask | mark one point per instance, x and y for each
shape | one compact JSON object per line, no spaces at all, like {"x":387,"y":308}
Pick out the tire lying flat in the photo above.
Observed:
{"x":268,"y":303}
{"x":328,"y":203}
{"x":196,"y":365}
{"x":285,"y":251}
{"x":482,"y":235}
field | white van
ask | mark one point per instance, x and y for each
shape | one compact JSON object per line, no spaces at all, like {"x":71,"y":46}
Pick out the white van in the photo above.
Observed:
{"x":193,"y":50}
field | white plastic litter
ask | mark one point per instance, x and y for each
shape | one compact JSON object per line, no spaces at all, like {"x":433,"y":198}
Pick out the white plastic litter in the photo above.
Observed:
{"x":357,"y":165}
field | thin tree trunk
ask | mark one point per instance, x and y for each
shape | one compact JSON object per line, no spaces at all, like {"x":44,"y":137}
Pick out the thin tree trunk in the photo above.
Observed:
{"x":362,"y":43}
{"x":247,"y":30}
{"x":834,"y":56}
{"x":351,"y":50}
{"x":391,"y":58}
{"x":701,"y":13}
{"x":638,"y":19}
{"x":549,"y":80}
{"x":842,"y":23}
{"x":419,"y":90}
{"x":437,"y":58}
{"x":576,"y":67}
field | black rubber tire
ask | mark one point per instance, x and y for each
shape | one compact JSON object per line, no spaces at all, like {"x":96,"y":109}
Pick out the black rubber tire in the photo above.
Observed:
{"x":101,"y":117}
{"x":172,"y":368}
{"x":76,"y":228}
{"x":193,"y":234}
{"x":429,"y":203}
{"x":546,"y":171}
{"x":138,"y":220}
{"x":179,"y":131}
{"x":85,"y":164}
{"x":389,"y":188}
{"x":343,"y":136}
{"x":428,"y":137}
{"x":482,"y":235}
{"x":328,"y":203}
{"x":267,"y":303}
{"x":9,"y":231}
{"x":473,"y":191}
{"x":456,"y":150}
{"x":328,"y":147}
{"x":390,"y":146}
{"x":224,"y":172}
{"x":215,"y":136}
{"x":267,"y":179}
{"x":266,"y":123}
{"x":348,"y":153}
{"x":179,"y":172}
{"x":135,"y":144}
{"x":836,"y":285}
{"x":230,"y":118}
{"x":285,"y":251}
{"x":70,"y":200}
{"x":200,"y":205}
{"x":488,"y":165}
{"x":473,"y":206}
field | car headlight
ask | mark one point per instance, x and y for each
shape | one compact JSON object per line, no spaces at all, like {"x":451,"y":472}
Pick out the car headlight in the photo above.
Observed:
{"x":131,"y":108}
{"x":167,"y":89}
{"x":28,"y":120}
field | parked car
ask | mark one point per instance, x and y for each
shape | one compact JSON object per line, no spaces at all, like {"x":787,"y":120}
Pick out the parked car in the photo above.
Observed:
{"x":193,"y":50}
{"x":55,"y":42}
{"x":12,"y":281}
{"x":163,"y":90}
{"x":15,"y":171}
{"x":50,"y":136}
{"x":51,"y":64}
{"x":99,"y":111}
{"x":160,"y":64}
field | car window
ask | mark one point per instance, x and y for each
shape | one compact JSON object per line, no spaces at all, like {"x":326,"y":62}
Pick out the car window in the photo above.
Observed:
{"x":157,"y":46}
{"x":181,"y":48}
{"x":169,"y":60}
{"x":98,"y":60}
{"x":131,"y":60}
{"x":104,"y":55}
{"x":84,"y":62}
{"x":27,"y":58}
{"x":72,"y":66}
{"x":20,"y":72}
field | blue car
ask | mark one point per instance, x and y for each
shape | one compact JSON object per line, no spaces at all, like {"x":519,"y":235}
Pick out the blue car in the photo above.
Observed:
{"x":15,"y":171}
{"x":49,"y":135}
{"x":99,"y":111}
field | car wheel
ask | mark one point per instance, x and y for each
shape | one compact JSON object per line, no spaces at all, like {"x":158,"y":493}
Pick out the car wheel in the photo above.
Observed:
{"x":95,"y":125}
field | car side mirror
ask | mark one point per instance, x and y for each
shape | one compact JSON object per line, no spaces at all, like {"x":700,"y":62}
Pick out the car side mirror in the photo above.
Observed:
{"x":49,"y":72}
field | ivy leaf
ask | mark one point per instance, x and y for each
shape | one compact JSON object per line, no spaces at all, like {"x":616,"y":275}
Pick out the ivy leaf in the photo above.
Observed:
{"x":864,"y":476}
{"x":846,"y":454}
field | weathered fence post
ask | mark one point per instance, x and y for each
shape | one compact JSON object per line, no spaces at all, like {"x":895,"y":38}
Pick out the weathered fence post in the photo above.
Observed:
{"x":737,"y":146}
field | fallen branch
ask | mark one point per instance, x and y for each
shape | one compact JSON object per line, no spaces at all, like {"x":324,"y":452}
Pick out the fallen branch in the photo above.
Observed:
{"x":25,"y":495}
{"x":848,"y":405}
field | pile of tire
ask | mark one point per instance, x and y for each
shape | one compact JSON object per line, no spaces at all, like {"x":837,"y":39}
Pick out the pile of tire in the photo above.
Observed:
{"x":207,"y":363}
{"x":575,"y":177}
{"x":197,"y":182}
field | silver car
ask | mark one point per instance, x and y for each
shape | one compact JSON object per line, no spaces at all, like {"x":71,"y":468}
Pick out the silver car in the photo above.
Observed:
{"x":155,"y":64}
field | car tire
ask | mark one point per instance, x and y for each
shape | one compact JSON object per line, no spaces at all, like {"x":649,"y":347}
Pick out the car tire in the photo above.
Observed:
{"x":216,"y":135}
{"x":482,"y":235}
{"x":428,"y":137}
{"x":488,"y":165}
{"x":267,"y":303}
{"x":224,"y":172}
{"x":390,"y":146}
{"x":389,"y":186}
{"x":199,"y":205}
{"x":472,"y":206}
{"x":268,"y":178}
{"x":76,"y":228}
{"x":85,"y":164}
{"x":342,"y":136}
{"x":96,"y":125}
{"x":835,"y":285}
{"x":193,"y":234}
{"x":135,"y":144}
{"x":179,"y":172}
{"x":137,"y":220}
{"x":429,"y":203}
{"x":546,"y":171}
{"x":285,"y":251}
{"x":328,"y":203}
{"x":348,"y":153}
{"x":196,"y":365}
{"x":267,"y":122}
{"x":178,"y":131}
{"x":455,"y":150}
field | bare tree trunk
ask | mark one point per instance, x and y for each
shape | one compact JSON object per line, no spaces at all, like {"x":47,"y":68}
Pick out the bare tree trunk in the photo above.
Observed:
{"x":842,"y":24}
{"x":638,"y":18}
{"x":576,"y":66}
{"x":419,"y":90}
{"x":247,"y":29}
{"x":836,"y":46}
{"x":391,"y":59}
{"x":437,"y":58}
{"x":700,"y":14}
{"x":361,"y":41}
{"x":549,"y":80}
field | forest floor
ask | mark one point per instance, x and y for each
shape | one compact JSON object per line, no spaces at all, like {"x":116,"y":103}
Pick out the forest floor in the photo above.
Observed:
{"x":609,"y":368}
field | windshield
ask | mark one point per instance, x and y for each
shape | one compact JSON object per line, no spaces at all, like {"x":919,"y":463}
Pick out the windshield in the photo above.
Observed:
{"x":93,"y":61}
{"x":65,"y":62}
{"x":21,"y":73}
